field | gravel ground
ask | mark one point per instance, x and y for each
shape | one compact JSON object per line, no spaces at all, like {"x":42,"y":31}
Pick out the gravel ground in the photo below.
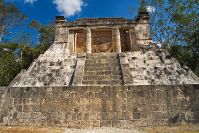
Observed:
{"x":66,"y":130}
{"x":194,"y":128}
{"x":102,"y":130}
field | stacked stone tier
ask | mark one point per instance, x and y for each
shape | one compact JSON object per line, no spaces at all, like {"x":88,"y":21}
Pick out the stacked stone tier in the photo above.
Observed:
{"x":102,"y":69}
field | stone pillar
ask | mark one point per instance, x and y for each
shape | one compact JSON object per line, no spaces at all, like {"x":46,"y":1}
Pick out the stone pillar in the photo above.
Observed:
{"x":88,"y":40}
{"x":133,"y":40}
{"x":61,"y":32}
{"x":142,"y":27}
{"x":75,"y":42}
{"x":116,"y":40}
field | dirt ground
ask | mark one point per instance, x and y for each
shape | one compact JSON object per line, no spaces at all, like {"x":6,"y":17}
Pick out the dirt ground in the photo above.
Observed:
{"x":173,"y":129}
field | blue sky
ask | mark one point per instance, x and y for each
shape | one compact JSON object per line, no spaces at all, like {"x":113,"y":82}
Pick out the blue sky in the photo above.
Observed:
{"x":45,"y":10}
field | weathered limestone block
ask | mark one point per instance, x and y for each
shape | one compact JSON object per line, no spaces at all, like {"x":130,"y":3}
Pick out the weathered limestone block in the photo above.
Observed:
{"x":98,"y":106}
{"x":54,"y":68}
{"x":4,"y":108}
{"x":156,"y":67}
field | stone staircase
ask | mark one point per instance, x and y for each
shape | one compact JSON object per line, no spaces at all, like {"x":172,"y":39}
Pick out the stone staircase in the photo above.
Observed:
{"x":102,"y":69}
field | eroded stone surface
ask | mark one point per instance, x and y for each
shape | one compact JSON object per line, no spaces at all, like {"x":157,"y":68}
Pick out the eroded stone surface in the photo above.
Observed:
{"x":101,"y":106}
{"x":54,"y":68}
{"x":152,"y":67}
{"x":157,"y":67}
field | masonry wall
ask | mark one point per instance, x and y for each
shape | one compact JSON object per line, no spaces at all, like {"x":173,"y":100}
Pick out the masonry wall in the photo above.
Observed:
{"x":95,"y":106}
{"x":4,"y":102}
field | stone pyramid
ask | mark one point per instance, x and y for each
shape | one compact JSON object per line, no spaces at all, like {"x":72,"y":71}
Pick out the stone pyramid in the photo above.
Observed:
{"x":104,"y":51}
{"x":102,"y":72}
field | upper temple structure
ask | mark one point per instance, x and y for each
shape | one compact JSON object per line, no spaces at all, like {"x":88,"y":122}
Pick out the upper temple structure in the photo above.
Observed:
{"x":104,"y":51}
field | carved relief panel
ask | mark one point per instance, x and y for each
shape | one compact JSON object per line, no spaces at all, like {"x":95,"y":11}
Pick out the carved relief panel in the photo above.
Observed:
{"x":102,"y":41}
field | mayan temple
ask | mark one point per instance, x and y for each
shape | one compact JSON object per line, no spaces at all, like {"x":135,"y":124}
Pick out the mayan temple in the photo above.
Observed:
{"x":102,"y":72}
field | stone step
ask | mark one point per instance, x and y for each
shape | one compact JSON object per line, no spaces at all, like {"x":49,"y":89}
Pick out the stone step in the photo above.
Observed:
{"x":91,"y":69}
{"x":103,"y":82}
{"x":107,"y":72}
{"x":102,"y":61}
{"x":102,"y":77}
{"x":99,"y":65}
{"x":103,"y":57}
{"x":96,"y":55}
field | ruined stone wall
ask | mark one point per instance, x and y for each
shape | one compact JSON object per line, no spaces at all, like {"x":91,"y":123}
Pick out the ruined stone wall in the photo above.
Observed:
{"x":95,"y":106}
{"x":4,"y":108}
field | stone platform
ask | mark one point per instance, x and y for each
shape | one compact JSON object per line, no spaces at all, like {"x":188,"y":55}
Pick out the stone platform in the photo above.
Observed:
{"x":99,"y":106}
{"x":151,"y":67}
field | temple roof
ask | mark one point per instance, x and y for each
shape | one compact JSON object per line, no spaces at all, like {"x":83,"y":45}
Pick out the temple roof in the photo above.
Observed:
{"x":100,"y":21}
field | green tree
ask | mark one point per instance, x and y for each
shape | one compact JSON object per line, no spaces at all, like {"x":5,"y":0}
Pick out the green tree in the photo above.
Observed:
{"x":46,"y":33}
{"x":175,"y":24}
{"x":10,"y":16}
{"x":9,"y":65}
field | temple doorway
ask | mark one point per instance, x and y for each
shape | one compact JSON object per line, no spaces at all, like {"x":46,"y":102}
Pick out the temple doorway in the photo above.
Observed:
{"x":102,"y":41}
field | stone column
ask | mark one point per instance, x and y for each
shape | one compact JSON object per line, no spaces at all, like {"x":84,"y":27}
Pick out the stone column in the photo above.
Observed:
{"x":116,"y":40}
{"x":75,"y":43}
{"x":88,"y":40}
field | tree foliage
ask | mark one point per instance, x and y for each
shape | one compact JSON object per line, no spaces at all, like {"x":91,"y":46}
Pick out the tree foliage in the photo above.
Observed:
{"x":10,"y":16}
{"x":9,"y":65}
{"x":18,"y":53}
{"x":46,"y":32}
{"x":175,"y":24}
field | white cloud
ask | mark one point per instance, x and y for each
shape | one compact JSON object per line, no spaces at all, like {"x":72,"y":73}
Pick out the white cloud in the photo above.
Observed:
{"x":69,"y":7}
{"x":30,"y":1}
{"x":151,"y":9}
